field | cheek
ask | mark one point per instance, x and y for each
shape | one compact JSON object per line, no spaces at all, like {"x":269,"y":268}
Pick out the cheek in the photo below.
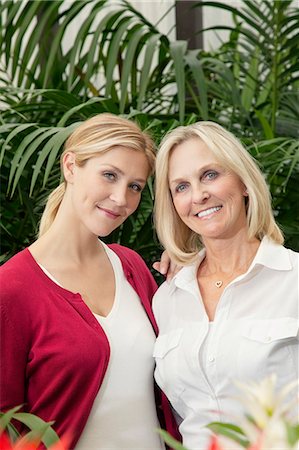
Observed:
{"x":228,"y":192}
{"x":180,"y":205}
{"x":232,"y":188}
{"x":133,"y":203}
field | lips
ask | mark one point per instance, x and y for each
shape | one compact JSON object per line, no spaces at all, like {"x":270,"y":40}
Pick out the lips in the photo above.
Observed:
{"x":208,"y":211}
{"x":110,"y":213}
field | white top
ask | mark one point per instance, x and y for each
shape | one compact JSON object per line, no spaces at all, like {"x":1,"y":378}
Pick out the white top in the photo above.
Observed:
{"x":254,"y":334}
{"x":123,"y":415}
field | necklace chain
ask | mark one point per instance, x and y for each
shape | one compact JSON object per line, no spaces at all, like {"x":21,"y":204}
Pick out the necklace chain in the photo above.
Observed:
{"x":219,"y":283}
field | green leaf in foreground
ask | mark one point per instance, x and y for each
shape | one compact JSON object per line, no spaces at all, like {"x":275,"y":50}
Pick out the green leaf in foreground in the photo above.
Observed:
{"x":173,"y":443}
{"x":230,"y":431}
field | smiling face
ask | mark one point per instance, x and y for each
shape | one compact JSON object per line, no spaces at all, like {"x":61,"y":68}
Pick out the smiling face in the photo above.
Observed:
{"x":106,"y":189}
{"x":208,"y":198}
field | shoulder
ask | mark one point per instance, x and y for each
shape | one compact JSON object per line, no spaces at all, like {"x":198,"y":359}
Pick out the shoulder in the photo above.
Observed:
{"x":14,"y":269}
{"x":122,"y":250}
{"x":288,"y":256}
{"x":128,"y":256}
{"x":135,"y":268}
{"x":17,"y":283}
{"x":17,"y":279}
{"x":15,"y":260}
{"x":162,"y":298}
{"x":294,"y":256}
{"x":276,"y":256}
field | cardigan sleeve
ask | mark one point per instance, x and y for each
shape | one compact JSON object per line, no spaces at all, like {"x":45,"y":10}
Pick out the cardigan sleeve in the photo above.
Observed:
{"x":13,"y":352}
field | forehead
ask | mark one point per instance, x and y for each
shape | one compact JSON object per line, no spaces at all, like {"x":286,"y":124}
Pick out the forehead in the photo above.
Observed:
{"x":124,"y":158}
{"x":190,"y":152}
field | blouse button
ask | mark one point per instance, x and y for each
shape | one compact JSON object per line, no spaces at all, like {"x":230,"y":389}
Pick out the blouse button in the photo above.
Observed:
{"x":211,"y":358}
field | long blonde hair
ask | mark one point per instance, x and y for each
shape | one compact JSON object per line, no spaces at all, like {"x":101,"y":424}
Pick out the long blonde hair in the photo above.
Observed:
{"x":98,"y":135}
{"x":183,"y":244}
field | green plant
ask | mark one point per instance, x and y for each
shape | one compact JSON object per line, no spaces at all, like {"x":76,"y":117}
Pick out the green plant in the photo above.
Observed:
{"x":261,"y":54}
{"x":120,"y":63}
{"x":39,"y":431}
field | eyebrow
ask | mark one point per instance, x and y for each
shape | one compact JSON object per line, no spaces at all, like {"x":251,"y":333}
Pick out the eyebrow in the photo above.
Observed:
{"x":176,"y":180}
{"x":182,"y":178}
{"x":140,"y":180}
{"x":212,"y":166}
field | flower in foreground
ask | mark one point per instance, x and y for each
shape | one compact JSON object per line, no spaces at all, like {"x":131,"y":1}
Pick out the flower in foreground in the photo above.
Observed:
{"x":267,"y":423}
{"x":27,"y":443}
{"x":39,"y":432}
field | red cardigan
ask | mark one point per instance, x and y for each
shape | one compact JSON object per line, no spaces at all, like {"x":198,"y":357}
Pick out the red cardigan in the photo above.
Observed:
{"x":54,"y":353}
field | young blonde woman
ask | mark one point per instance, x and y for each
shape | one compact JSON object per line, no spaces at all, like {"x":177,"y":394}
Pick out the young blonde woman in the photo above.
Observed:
{"x":77,"y":330}
{"x":232,"y":312}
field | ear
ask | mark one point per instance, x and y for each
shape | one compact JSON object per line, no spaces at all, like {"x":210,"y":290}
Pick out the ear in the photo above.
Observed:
{"x":245,"y":192}
{"x":68,"y":165}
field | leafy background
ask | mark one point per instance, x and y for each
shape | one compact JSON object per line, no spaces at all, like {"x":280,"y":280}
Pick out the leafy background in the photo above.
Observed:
{"x":119,"y":62}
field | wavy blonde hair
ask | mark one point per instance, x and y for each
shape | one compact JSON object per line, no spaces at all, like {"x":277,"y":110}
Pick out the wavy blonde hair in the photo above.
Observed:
{"x":94,"y":136}
{"x":183,"y":244}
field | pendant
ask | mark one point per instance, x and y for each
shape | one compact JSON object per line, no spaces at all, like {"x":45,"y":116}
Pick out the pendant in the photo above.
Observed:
{"x":218,"y":284}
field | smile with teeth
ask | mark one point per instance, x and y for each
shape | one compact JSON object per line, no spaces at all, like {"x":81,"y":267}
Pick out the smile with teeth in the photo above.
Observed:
{"x":206,"y":212}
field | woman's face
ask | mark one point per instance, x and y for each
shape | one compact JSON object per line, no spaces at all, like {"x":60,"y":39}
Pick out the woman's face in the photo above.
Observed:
{"x":208,"y":198}
{"x":107,"y":188}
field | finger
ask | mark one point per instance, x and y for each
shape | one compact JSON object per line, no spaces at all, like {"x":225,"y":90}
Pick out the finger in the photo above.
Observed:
{"x":164,"y":263}
{"x":156,"y":266}
{"x":159,"y":267}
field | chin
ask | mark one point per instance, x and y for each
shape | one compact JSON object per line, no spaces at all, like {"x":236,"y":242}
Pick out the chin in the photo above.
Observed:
{"x":106,"y":232}
{"x":213,"y":234}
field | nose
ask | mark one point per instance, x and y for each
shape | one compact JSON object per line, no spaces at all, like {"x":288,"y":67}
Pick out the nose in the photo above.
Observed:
{"x":119,"y":195}
{"x":200,"y":195}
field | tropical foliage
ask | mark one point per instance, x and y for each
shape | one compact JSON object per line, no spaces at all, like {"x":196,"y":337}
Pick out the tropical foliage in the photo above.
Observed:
{"x":37,"y":432}
{"x":120,"y":62}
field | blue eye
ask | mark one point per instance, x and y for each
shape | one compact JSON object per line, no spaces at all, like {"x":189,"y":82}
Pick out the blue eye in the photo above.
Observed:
{"x":110,"y":175}
{"x":210,"y":175}
{"x":136,"y":187}
{"x":181,"y":187}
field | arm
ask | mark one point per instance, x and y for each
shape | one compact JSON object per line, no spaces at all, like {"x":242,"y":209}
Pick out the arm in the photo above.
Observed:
{"x":13,"y":357}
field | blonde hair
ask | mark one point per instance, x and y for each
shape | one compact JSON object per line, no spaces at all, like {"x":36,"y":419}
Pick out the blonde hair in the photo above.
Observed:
{"x":98,"y":135}
{"x":183,"y":244}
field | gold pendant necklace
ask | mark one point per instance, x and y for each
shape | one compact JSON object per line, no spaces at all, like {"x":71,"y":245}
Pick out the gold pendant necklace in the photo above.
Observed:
{"x":242,"y":269}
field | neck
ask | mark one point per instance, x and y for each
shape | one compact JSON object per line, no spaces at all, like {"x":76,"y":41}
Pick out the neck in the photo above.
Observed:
{"x":229,"y":256}
{"x":66,"y":245}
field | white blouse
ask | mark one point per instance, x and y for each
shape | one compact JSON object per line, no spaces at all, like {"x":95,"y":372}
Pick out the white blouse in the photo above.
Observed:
{"x":254,"y":334}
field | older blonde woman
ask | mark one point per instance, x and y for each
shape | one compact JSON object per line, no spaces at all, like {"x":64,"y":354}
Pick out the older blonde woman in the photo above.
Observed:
{"x":231,"y":313}
{"x":77,"y":330}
